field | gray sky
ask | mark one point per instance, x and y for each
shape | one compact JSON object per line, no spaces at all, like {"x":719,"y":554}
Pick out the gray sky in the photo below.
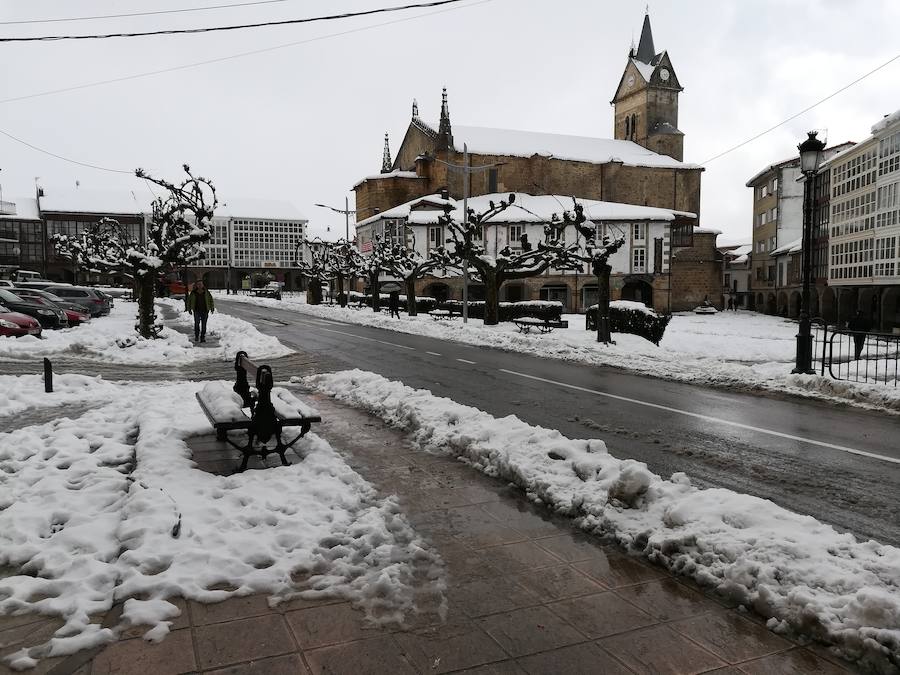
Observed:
{"x":305,"y":122}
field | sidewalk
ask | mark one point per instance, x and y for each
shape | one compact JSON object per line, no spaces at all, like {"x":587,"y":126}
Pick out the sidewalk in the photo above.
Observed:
{"x":526,"y":593}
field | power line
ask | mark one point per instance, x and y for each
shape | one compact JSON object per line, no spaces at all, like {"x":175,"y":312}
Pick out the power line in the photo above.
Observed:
{"x":214,"y":29}
{"x":65,"y":159}
{"x":231,"y":57}
{"x":805,"y":110}
{"x":155,"y":13}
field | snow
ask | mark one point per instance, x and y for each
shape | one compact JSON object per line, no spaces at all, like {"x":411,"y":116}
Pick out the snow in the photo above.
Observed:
{"x":222,"y":402}
{"x":80,"y":200}
{"x":259,"y":209}
{"x":885,"y":122}
{"x":396,"y":173}
{"x":790,"y":568}
{"x":110,"y":506}
{"x":645,"y":69}
{"x":729,"y":349}
{"x":487,"y":141}
{"x":26,"y":209}
{"x":527,"y":209}
{"x":791,"y":247}
{"x":101,"y":339}
{"x":20,"y":393}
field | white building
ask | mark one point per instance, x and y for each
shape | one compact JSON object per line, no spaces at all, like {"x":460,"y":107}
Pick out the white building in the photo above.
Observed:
{"x":640,"y":268}
{"x":864,"y":244}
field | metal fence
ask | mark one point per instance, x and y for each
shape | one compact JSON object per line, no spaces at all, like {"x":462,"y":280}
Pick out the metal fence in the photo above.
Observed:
{"x":856,"y":356}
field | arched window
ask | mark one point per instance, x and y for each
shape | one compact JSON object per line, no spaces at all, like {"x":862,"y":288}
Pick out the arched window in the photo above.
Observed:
{"x":633,"y":125}
{"x":627,"y":127}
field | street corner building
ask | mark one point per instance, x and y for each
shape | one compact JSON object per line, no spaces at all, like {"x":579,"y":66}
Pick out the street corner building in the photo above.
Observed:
{"x":635,"y":184}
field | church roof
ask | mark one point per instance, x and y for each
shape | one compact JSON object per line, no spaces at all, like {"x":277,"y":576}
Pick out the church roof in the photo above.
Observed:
{"x":396,"y":173}
{"x":488,"y":141}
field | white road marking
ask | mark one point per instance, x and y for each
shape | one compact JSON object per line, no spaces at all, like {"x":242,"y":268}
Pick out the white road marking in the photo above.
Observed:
{"x":708,"y":418}
{"x":433,"y":353}
{"x":466,"y":361}
{"x":384,"y":342}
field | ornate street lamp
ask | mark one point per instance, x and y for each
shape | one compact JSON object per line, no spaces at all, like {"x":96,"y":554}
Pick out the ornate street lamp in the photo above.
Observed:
{"x":810,"y":157}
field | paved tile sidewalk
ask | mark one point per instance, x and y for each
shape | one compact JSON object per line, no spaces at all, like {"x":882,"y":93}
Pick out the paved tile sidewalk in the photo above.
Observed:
{"x":527,"y":593}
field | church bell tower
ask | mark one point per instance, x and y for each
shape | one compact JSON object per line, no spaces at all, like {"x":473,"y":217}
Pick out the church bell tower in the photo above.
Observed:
{"x":646,"y":101}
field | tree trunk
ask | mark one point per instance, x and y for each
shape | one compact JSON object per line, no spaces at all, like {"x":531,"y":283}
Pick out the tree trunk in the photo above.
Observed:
{"x":491,"y":298}
{"x":376,"y":295}
{"x":314,"y":292}
{"x":603,"y":333}
{"x":411,"y":296}
{"x":146,"y":312}
{"x":342,"y":297}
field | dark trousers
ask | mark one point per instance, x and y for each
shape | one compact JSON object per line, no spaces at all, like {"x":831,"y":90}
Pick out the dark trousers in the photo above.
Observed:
{"x":200,"y":325}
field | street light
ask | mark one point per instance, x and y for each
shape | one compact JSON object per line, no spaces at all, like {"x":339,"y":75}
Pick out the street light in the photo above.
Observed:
{"x":810,"y":156}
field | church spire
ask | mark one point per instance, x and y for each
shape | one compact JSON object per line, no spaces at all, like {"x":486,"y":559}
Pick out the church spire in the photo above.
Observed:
{"x":415,"y":109}
{"x":445,"y":134}
{"x":646,"y":52}
{"x":386,"y":163}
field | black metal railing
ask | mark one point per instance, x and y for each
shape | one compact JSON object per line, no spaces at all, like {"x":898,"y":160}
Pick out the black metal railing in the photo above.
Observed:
{"x":860,"y":356}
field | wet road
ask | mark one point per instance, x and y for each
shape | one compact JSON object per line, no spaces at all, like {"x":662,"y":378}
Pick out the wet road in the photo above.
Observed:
{"x":839,"y":464}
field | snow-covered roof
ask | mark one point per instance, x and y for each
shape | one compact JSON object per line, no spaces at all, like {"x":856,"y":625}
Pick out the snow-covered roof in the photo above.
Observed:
{"x":886,"y":121}
{"x":707,"y":230}
{"x":527,"y":209}
{"x":791,"y":247}
{"x":487,"y":141}
{"x":25,"y":209}
{"x":862,"y":145}
{"x":258,"y":209}
{"x":776,"y":165}
{"x":81,"y":200}
{"x":645,"y":69}
{"x":396,"y":173}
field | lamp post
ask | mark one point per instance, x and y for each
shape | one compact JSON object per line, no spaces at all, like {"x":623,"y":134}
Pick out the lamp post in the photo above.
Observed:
{"x":810,"y":156}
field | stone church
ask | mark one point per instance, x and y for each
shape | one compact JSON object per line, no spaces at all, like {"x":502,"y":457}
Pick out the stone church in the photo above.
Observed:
{"x":641,"y":165}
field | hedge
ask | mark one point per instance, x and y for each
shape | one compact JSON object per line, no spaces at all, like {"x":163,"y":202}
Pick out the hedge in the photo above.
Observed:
{"x":509,"y":311}
{"x":626,"y":318}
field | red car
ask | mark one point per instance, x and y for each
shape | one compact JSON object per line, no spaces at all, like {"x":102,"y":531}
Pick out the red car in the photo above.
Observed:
{"x":13,"y":324}
{"x":76,"y":314}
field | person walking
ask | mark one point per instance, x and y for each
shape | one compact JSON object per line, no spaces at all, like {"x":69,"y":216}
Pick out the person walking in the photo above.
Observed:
{"x":394,"y":304}
{"x":730,"y":303}
{"x":200,"y":303}
{"x":859,"y":325}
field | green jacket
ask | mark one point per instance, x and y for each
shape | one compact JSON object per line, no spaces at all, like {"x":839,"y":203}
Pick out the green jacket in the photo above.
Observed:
{"x":192,"y":300}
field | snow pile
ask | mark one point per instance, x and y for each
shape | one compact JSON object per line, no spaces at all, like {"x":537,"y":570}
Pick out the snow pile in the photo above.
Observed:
{"x":19,"y":393}
{"x":788,"y":567}
{"x":113,"y":339}
{"x":111,"y":507}
{"x":731,"y":349}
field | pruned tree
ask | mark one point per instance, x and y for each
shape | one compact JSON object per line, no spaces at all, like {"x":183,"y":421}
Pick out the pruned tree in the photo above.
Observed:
{"x":346,"y":263}
{"x":404,"y":262}
{"x":373,"y":263}
{"x":463,"y":247}
{"x":180,"y":221}
{"x":100,"y":247}
{"x":326,"y":261}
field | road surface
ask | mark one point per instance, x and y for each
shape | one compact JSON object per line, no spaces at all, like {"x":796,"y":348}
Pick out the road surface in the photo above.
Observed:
{"x":839,"y":464}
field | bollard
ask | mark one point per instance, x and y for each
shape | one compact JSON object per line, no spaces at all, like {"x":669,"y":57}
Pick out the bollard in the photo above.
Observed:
{"x":48,"y":376}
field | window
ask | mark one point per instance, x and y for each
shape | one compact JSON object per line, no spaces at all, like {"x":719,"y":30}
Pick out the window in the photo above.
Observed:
{"x":627,"y":127}
{"x":772,"y":244}
{"x":514,"y":236}
{"x":683,"y":235}
{"x":773,"y":214}
{"x":492,"y":180}
{"x":639,"y":232}
{"x":434,"y":237}
{"x":639,"y":260}
{"x":770,"y":273}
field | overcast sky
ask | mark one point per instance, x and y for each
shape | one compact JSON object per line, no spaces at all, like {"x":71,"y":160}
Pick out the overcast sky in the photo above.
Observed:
{"x":305,"y":122}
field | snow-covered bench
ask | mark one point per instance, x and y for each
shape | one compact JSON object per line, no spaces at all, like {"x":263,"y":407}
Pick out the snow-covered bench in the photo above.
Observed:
{"x":271,"y":410}
{"x":526,"y":323}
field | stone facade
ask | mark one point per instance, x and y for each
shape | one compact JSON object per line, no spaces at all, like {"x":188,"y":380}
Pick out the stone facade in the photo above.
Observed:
{"x":697,"y":273}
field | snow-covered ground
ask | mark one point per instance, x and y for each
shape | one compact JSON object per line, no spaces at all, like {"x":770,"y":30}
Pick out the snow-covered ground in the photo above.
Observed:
{"x":113,"y":339}
{"x":737,"y":349}
{"x":109,"y":506}
{"x":798,"y":572}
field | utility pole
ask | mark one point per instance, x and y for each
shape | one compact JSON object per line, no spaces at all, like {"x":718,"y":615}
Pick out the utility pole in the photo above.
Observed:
{"x":467,"y":171}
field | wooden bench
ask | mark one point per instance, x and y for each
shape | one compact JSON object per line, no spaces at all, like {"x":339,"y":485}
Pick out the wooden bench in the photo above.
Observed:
{"x":443,"y":314}
{"x":271,"y":410}
{"x":526,"y":323}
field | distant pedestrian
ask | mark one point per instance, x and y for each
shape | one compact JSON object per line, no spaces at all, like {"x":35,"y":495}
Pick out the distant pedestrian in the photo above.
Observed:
{"x":394,"y":304}
{"x":731,"y":304}
{"x":859,"y":325}
{"x":734,"y":304}
{"x":200,"y":303}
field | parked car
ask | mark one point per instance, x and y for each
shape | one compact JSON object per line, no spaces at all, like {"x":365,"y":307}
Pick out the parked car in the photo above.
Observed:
{"x":6,"y":283}
{"x":90,"y":298}
{"x":76,"y":314}
{"x":14,"y":324}
{"x":49,"y":318}
{"x":39,"y":284}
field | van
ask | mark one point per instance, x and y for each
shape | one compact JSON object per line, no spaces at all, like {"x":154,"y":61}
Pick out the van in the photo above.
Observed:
{"x":25,"y":275}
